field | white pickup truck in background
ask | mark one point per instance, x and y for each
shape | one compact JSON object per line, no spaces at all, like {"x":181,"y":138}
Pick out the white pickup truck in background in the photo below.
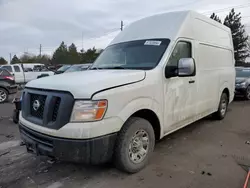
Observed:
{"x":23,"y":77}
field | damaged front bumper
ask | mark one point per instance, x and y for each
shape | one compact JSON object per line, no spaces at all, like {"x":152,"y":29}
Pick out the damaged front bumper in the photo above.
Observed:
{"x":90,"y":151}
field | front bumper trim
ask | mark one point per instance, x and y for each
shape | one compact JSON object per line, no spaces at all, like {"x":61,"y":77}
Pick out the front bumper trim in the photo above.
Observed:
{"x":90,"y":151}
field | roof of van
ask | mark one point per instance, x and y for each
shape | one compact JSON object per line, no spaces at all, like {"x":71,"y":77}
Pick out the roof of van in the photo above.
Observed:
{"x":172,"y":25}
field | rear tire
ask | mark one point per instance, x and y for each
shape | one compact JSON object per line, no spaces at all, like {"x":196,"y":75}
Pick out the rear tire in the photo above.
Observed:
{"x":247,"y":93}
{"x":222,"y":109}
{"x":134,"y":146}
{"x":4,"y":95}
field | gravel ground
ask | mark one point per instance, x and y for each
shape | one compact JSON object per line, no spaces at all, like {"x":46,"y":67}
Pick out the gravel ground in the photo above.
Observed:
{"x":205,"y":154}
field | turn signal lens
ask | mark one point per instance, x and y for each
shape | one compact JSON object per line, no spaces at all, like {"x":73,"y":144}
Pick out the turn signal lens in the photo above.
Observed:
{"x":89,"y":110}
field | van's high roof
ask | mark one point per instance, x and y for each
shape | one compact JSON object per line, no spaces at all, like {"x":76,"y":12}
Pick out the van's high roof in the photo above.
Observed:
{"x":172,"y":25}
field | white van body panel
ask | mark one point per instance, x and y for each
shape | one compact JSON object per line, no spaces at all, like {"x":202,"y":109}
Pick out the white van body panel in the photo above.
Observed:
{"x":79,"y":130}
{"x":176,"y":101}
{"x":92,"y":80}
{"x":127,"y":100}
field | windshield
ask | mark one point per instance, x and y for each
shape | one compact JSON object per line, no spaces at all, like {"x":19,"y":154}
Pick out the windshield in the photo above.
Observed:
{"x":243,"y":73}
{"x":64,"y":68}
{"x":141,"y":54}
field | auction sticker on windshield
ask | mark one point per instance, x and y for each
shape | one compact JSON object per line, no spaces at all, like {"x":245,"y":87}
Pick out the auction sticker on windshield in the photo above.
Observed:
{"x":153,"y":42}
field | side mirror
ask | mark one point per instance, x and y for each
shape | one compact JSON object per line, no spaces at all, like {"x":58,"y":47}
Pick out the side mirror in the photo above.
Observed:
{"x":186,"y":67}
{"x":171,"y":71}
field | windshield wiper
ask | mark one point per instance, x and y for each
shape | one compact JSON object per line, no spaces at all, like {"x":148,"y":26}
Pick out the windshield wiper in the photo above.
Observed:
{"x":95,"y":68}
{"x":115,"y":67}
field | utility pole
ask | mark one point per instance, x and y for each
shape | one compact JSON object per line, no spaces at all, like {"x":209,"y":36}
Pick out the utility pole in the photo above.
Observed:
{"x":82,"y":41}
{"x":40,"y":50}
{"x":122,"y":25}
{"x":10,"y":57}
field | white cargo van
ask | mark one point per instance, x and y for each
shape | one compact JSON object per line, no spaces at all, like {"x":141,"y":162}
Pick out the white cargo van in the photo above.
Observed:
{"x":158,"y":75}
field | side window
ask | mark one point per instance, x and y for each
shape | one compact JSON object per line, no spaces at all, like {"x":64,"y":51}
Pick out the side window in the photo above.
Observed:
{"x":9,"y":68}
{"x":17,"y":69}
{"x":181,"y":50}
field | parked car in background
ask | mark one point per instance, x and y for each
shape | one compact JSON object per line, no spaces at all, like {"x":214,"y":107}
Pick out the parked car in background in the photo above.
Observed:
{"x":62,"y":69}
{"x":21,"y":76}
{"x":31,"y":66}
{"x":78,"y":67}
{"x":39,"y":68}
{"x":28,"y":69}
{"x":7,"y":85}
{"x":242,"y":82}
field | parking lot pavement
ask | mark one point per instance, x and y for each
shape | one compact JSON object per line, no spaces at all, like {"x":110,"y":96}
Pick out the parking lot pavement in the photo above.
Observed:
{"x":204,"y":154}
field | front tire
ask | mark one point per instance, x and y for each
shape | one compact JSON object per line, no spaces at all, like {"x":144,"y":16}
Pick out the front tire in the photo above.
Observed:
{"x":4,"y":95}
{"x":134,"y":146}
{"x":222,"y":109}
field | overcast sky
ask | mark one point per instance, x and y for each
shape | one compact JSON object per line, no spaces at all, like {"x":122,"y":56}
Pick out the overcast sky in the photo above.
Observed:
{"x":25,"y":24}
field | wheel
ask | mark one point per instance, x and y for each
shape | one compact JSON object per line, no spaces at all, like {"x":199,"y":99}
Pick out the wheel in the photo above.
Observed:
{"x":222,"y":109}
{"x":135,"y":143}
{"x":247,"y":93}
{"x":3,"y":95}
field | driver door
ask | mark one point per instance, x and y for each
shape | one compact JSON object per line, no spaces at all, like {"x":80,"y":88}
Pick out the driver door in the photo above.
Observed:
{"x":179,"y":92}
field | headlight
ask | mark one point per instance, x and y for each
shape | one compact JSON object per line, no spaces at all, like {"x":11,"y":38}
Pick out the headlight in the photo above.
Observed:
{"x":88,"y":110}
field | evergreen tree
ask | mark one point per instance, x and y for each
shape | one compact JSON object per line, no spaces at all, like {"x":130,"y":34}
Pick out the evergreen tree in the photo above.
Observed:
{"x":240,"y":38}
{"x":89,"y":56}
{"x":73,"y":56}
{"x":215,"y":17}
{"x":60,"y":56}
{"x":3,"y":61}
{"x":28,"y":58}
{"x":44,"y":59}
{"x":15,"y":60}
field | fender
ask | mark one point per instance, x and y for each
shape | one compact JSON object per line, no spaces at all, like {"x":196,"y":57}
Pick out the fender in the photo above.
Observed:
{"x":222,"y":87}
{"x":141,"y":104}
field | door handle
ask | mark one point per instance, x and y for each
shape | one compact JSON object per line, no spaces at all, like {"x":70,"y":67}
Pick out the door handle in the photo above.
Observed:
{"x":192,"y":81}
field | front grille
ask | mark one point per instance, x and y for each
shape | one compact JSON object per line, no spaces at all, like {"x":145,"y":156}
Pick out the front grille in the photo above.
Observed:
{"x":39,"y":100}
{"x":56,"y":108}
{"x":51,"y":109}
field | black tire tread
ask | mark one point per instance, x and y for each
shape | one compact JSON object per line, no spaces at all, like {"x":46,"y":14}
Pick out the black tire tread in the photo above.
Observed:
{"x":121,"y":135}
{"x":217,"y":114}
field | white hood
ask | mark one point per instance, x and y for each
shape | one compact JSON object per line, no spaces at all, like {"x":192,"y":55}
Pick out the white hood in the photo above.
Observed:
{"x":85,"y":84}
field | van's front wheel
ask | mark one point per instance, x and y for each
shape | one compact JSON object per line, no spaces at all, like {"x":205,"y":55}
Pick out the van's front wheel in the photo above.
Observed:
{"x":135,"y":144}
